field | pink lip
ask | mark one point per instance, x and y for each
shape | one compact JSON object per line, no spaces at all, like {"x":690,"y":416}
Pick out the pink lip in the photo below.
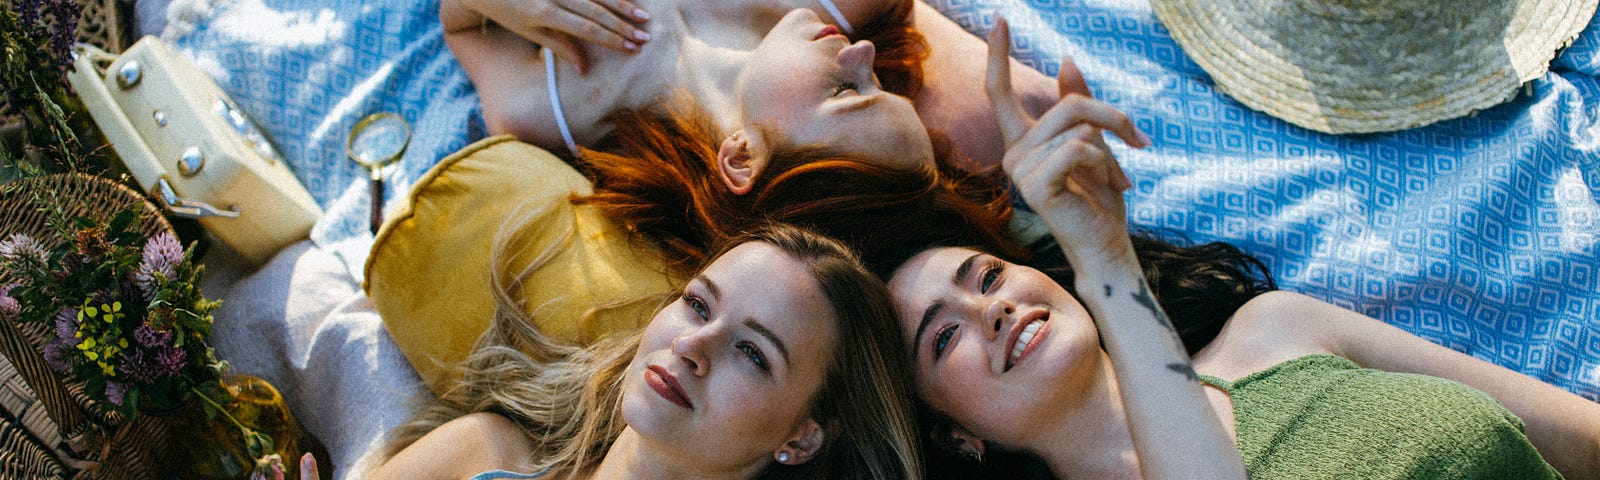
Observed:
{"x":666,"y":386}
{"x":826,"y":31}
{"x":1016,"y":333}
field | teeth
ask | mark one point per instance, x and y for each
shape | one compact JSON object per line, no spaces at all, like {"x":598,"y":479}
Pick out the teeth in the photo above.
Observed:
{"x":1023,"y":339}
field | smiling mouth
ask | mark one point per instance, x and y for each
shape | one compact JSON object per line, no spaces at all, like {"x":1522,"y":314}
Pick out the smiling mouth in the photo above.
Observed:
{"x":826,"y":31}
{"x":666,"y":385}
{"x":1026,"y":338}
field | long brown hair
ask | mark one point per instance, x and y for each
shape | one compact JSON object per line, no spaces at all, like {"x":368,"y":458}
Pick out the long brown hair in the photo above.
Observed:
{"x":567,"y":397}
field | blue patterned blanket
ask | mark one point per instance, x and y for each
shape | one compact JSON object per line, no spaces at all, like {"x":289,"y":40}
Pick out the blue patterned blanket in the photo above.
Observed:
{"x":1477,"y":233}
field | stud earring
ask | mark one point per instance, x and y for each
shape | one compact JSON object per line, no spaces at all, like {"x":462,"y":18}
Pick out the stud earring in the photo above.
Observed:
{"x":783,"y":457}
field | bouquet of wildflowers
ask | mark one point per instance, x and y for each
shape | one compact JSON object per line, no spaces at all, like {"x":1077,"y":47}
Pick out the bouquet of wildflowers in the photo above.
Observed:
{"x":126,"y":314}
{"x":126,"y":319}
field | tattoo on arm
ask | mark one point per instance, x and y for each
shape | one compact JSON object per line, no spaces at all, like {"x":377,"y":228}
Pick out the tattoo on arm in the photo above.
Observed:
{"x":1185,"y":368}
{"x":1144,"y":298}
{"x":1108,"y":291}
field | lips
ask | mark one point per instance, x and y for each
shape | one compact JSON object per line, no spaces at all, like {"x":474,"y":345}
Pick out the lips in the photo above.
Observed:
{"x":826,"y":31}
{"x":666,"y":385}
{"x":1024,"y":337}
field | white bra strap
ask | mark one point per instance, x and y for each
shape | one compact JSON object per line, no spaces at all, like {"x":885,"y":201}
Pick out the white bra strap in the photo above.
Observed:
{"x":838,"y":16}
{"x":555,"y":100}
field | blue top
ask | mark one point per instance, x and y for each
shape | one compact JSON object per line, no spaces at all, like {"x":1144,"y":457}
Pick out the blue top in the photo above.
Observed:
{"x":505,"y":475}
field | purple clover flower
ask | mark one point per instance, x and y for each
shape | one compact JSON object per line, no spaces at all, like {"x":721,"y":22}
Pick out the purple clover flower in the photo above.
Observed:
{"x":23,"y":250}
{"x":8,"y":305}
{"x":115,"y":391}
{"x":55,"y":355}
{"x":67,"y":327}
{"x":171,"y":360}
{"x":159,"y":263}
{"x":150,"y":337}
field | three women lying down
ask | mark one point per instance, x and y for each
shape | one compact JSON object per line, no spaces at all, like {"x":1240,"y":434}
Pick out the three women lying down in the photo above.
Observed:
{"x":781,"y":359}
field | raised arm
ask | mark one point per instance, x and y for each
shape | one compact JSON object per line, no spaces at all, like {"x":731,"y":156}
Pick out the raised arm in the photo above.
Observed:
{"x":1063,"y":169}
{"x":1563,"y":427}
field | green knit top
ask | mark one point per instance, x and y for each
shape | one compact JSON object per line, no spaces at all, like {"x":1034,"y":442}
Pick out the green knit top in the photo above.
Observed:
{"x":1324,"y":417}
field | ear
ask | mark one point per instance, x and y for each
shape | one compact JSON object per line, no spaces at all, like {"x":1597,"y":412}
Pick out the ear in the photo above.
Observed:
{"x":740,"y":161}
{"x":803,"y":445}
{"x":964,"y":442}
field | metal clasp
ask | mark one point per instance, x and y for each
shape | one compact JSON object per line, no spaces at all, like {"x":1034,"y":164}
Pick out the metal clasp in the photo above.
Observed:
{"x":188,"y":208}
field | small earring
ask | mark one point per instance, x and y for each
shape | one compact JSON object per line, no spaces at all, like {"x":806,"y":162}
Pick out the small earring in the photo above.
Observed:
{"x":975,"y":456}
{"x":783,"y":457}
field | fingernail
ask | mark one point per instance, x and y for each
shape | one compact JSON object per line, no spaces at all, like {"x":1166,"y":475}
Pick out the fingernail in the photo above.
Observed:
{"x":630,"y":46}
{"x":641,"y":35}
{"x":1144,"y":140}
{"x":307,"y":462}
{"x":639,"y":13}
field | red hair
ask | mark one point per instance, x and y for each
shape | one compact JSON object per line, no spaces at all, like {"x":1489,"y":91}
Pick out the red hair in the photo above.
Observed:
{"x":657,"y":176}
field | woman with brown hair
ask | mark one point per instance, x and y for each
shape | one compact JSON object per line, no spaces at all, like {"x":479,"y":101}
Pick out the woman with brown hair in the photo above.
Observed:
{"x":778,"y":360}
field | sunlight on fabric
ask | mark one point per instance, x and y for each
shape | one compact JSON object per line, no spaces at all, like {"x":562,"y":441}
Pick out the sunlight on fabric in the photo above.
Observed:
{"x":358,"y":97}
{"x":256,"y":23}
{"x":1580,"y":212}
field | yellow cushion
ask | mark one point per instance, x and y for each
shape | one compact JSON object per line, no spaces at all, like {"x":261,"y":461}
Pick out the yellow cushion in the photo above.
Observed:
{"x":429,"y":270}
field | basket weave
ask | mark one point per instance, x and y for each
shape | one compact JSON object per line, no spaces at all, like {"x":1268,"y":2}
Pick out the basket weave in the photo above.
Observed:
{"x":28,"y":417}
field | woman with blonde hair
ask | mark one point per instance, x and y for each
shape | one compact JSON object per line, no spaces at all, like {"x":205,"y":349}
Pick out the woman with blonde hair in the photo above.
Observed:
{"x":780,"y":359}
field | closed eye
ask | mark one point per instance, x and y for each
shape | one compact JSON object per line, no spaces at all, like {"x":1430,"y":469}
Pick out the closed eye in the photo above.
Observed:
{"x":845,"y":87}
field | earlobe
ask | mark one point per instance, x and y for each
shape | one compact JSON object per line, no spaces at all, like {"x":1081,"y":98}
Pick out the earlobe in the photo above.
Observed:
{"x":739,"y":162}
{"x":806,"y":442}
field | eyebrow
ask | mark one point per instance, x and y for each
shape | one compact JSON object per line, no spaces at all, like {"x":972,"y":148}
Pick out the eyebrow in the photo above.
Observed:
{"x":716,"y":293}
{"x":934,"y":309}
{"x":762,"y":329}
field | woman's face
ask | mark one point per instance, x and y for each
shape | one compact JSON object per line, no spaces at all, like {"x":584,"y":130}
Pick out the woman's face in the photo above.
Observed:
{"x":998,"y":347}
{"x":726,"y":373}
{"x":812,"y":86}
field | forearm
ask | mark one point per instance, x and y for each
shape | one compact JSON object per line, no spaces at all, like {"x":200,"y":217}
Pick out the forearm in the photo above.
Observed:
{"x":1176,"y":432}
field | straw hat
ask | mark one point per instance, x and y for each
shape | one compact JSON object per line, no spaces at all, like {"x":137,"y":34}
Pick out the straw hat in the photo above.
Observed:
{"x":1350,"y":66}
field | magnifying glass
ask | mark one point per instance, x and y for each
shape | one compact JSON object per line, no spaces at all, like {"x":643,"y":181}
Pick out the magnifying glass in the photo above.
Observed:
{"x":376,"y":141}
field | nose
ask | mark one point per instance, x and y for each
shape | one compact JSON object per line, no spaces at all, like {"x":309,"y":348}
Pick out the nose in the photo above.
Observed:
{"x":858,"y":57}
{"x":691,"y":348}
{"x":989,"y":315}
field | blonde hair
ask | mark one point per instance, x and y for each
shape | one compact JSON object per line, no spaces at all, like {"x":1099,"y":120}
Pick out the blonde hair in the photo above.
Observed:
{"x":567,"y":397}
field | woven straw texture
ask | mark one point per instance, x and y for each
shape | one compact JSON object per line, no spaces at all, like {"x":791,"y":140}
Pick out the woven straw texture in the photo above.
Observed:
{"x":1355,"y":66}
{"x":27,"y":426}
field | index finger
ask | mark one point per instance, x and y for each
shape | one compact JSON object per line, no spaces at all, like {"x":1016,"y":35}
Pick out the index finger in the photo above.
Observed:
{"x":1007,"y":109}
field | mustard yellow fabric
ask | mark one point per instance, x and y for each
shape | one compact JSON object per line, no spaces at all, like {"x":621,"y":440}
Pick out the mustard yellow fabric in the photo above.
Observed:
{"x":429,"y":270}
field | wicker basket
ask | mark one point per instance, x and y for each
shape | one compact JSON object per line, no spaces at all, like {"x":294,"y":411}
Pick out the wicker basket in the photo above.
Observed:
{"x":34,"y":402}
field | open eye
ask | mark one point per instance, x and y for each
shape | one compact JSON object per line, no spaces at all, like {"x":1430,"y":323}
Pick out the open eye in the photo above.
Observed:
{"x":698,"y":305}
{"x":755,"y":356}
{"x":941,"y":339}
{"x":845,"y":87}
{"x":991,"y":274}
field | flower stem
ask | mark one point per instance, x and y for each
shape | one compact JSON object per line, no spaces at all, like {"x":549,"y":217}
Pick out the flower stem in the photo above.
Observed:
{"x":236,"y":422}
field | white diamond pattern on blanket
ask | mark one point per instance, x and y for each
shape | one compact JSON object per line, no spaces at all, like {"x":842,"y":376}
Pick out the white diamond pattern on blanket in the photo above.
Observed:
{"x":1477,"y":233}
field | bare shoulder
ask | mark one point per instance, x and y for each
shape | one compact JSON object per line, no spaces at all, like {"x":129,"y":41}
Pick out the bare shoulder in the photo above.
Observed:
{"x":1271,"y":328}
{"x":476,"y":442}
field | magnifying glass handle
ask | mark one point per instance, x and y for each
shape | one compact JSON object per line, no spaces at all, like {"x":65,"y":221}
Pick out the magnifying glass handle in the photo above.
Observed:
{"x":377,"y":204}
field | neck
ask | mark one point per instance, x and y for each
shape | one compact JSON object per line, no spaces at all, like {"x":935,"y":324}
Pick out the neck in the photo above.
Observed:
{"x":710,"y":74}
{"x":634,"y":457}
{"x":1092,"y":439}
